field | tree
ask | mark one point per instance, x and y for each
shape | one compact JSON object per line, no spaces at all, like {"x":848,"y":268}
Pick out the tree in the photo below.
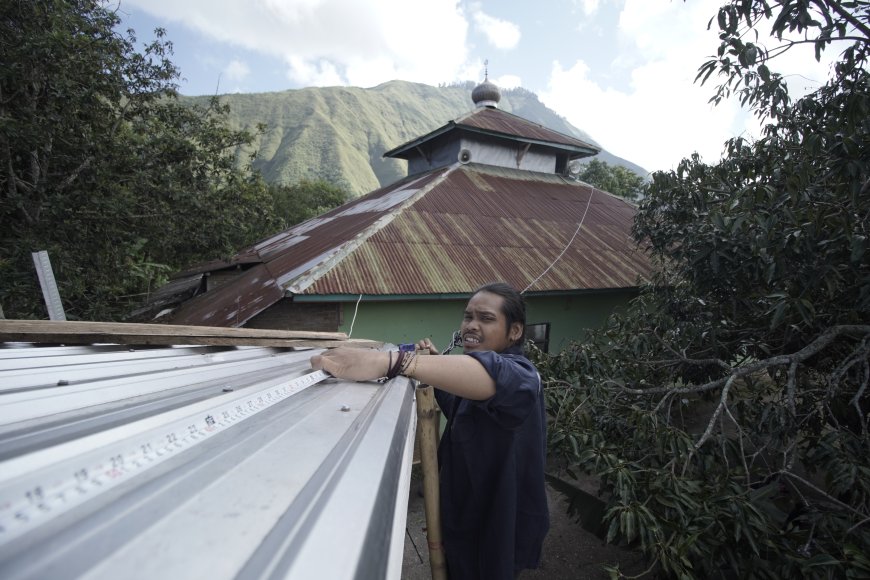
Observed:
{"x":104,"y":168}
{"x":727,"y":412}
{"x":307,"y":199}
{"x":614,"y":179}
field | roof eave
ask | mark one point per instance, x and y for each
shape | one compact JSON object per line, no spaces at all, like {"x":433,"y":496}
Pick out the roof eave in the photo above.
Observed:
{"x":580,"y":151}
{"x":450,"y":296}
{"x":397,"y":151}
{"x":575,"y":150}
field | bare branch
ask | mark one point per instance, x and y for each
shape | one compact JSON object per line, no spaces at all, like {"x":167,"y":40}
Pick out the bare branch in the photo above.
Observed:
{"x":845,"y":15}
{"x":860,"y":355}
{"x":723,"y":399}
{"x":858,"y":525}
{"x":857,"y":398}
{"x":742,"y":449}
{"x":810,"y":350}
{"x":681,"y":357}
{"x":821,"y":492}
{"x":791,"y":386}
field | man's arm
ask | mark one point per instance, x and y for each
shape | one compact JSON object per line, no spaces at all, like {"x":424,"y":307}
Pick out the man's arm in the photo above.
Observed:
{"x":460,"y":375}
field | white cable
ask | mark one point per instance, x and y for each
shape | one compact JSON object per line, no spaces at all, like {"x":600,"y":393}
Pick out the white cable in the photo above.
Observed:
{"x":350,"y":332}
{"x":568,"y":245}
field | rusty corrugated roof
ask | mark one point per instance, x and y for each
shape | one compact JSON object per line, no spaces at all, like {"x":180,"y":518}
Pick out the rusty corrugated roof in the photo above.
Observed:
{"x":447,"y":231}
{"x":481,"y":224}
{"x":276,"y":262}
{"x":498,"y":123}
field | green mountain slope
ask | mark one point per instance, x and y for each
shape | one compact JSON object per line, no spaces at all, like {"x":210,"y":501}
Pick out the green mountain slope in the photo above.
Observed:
{"x":340,"y":133}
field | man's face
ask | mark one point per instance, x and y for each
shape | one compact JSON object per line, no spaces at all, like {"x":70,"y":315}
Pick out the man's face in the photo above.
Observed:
{"x":484,"y":326}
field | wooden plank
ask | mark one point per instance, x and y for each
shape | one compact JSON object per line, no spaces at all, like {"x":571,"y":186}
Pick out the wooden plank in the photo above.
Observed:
{"x":78,"y":332}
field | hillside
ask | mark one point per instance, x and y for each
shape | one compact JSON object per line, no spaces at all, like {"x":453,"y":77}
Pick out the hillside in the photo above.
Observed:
{"x":340,"y":133}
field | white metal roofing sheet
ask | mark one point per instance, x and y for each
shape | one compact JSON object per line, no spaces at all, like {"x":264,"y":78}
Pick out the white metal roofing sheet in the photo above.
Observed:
{"x":262,"y":474}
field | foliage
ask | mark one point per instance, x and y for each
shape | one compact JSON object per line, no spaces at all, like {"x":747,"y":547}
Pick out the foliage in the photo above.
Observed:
{"x":104,"y":168}
{"x":614,"y":179}
{"x":726,"y":413}
{"x":307,"y":199}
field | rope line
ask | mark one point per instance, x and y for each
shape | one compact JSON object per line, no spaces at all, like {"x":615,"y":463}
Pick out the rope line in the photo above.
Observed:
{"x":568,"y":245}
{"x":350,"y":332}
{"x":456,"y":341}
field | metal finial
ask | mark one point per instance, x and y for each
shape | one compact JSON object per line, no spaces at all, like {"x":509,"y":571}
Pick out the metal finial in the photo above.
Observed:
{"x":485,"y":70}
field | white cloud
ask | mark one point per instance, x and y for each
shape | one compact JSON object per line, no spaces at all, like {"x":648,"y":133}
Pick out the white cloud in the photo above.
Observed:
{"x":236,"y":70}
{"x":472,"y":71}
{"x":662,"y":116}
{"x":328,"y":42}
{"x":654,"y":117}
{"x":590,"y":7}
{"x":312,"y":73}
{"x":508,"y":82}
{"x":500,"y":33}
{"x":798,"y":65}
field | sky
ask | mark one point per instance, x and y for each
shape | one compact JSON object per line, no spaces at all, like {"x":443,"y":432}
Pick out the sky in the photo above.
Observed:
{"x":621,"y":70}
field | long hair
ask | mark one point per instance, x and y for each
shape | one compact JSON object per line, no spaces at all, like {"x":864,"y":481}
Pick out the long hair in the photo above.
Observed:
{"x":513,"y":305}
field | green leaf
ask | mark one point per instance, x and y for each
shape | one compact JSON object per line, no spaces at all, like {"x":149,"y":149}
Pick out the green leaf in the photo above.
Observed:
{"x":858,"y":246}
{"x":574,"y":448}
{"x":778,"y":314}
{"x":665,"y":501}
{"x":612,"y":530}
{"x":821,"y":560}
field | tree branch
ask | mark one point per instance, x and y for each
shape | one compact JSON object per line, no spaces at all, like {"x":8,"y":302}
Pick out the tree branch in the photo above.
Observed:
{"x":860,"y":355}
{"x":791,"y":386}
{"x":723,"y":400}
{"x":742,"y":449}
{"x":75,"y":173}
{"x":821,"y":492}
{"x":858,"y":525}
{"x":810,"y":350}
{"x":857,"y":398}
{"x":845,"y":15}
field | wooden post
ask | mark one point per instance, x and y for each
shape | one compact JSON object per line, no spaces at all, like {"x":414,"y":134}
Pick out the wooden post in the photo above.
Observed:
{"x":427,"y":433}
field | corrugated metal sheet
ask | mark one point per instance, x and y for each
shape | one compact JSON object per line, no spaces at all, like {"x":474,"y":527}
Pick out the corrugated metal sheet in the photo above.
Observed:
{"x":235,"y":302}
{"x":448,"y":231}
{"x":198,"y":462}
{"x":293,"y":254}
{"x":481,"y":224}
{"x":180,"y":288}
{"x":498,"y":123}
{"x":445,"y":231}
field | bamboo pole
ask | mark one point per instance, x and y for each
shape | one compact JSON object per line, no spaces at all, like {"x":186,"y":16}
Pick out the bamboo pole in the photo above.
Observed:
{"x":427,"y":433}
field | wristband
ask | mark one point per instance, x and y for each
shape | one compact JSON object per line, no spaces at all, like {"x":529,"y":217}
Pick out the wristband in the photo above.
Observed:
{"x":394,"y":370}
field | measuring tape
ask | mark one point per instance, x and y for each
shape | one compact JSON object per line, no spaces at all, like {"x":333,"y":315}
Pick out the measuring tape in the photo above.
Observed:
{"x":47,"y":483}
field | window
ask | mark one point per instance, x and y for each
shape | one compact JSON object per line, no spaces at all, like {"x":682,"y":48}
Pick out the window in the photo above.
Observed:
{"x":539,"y":333}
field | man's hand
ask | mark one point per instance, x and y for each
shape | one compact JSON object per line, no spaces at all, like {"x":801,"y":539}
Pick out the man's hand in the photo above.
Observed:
{"x":426,"y":344}
{"x":355,"y":364}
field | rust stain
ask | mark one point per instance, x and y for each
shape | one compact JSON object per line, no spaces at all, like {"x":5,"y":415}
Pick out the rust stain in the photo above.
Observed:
{"x":468,"y":226}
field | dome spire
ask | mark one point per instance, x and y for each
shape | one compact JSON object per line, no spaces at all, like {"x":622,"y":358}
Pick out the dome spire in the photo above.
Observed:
{"x":486,"y":94}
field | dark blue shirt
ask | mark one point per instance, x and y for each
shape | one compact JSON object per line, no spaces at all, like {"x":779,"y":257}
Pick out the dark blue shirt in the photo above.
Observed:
{"x":492,"y":457}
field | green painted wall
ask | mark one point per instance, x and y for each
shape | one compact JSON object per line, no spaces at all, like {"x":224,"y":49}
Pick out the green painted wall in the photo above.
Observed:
{"x":408,"y":321}
{"x":570,"y":316}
